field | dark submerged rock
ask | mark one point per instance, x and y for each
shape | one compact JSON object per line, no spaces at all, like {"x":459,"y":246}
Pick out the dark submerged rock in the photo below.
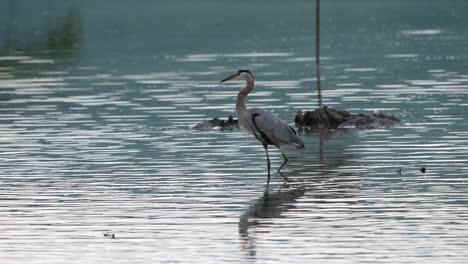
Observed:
{"x":217,"y":124}
{"x":326,"y":117}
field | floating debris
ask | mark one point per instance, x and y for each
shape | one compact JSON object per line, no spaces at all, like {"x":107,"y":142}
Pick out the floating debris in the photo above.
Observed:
{"x":109,"y":235}
{"x":326,"y":117}
{"x":423,"y":170}
{"x":323,"y":117}
{"x":217,"y":124}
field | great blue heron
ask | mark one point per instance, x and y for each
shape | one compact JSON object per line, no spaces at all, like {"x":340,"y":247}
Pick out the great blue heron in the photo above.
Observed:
{"x":267,"y":128}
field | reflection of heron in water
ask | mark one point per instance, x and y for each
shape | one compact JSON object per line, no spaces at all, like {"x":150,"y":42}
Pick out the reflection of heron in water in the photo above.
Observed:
{"x":267,"y":128}
{"x":270,"y":205}
{"x":325,"y":186}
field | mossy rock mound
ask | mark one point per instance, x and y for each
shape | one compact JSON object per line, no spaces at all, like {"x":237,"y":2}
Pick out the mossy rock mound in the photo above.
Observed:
{"x":217,"y":124}
{"x":326,"y":117}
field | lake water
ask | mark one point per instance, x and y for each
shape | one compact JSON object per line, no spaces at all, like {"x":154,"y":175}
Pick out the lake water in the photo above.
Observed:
{"x":98,"y":99}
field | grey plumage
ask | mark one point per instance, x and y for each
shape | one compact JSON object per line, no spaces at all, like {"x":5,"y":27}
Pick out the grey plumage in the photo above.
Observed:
{"x":271,"y":130}
{"x":267,"y":128}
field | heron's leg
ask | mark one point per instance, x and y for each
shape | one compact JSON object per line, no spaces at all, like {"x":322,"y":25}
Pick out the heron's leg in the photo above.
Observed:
{"x":285,"y":159}
{"x":285,"y":178}
{"x":268,"y":162}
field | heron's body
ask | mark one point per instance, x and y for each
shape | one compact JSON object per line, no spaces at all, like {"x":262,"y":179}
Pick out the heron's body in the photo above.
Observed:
{"x":267,"y":128}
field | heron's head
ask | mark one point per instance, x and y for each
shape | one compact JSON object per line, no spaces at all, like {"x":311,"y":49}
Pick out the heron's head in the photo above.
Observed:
{"x":241,"y":74}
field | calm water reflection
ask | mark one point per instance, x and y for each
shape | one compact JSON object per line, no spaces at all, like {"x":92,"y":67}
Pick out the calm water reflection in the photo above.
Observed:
{"x":96,"y":108}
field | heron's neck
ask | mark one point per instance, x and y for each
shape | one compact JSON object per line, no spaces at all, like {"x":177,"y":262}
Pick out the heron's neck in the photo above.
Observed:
{"x":241,"y":96}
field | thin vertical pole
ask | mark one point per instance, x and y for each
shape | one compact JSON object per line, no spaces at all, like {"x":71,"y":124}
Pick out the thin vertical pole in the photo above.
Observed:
{"x":317,"y":51}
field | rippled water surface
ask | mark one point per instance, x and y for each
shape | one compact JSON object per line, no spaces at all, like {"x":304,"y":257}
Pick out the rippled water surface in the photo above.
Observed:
{"x":97,"y":105}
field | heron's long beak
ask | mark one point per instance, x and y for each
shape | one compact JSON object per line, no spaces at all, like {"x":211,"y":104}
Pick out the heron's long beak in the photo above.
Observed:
{"x":229,"y":78}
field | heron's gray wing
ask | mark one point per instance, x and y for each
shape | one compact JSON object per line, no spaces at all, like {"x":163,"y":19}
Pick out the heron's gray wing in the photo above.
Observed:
{"x":271,"y":129}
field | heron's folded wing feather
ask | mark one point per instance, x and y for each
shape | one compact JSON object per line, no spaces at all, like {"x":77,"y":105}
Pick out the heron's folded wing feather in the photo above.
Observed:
{"x":273,"y":128}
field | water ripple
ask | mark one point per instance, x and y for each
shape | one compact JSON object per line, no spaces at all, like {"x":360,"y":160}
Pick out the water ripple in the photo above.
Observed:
{"x":88,"y":150}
